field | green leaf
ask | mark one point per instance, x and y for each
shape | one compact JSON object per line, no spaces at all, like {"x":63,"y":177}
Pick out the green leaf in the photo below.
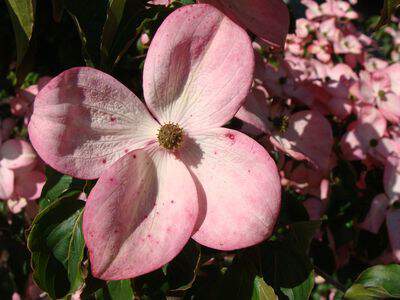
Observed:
{"x":389,"y":7}
{"x":291,"y":250}
{"x":302,"y":290}
{"x":120,"y":290}
{"x":243,"y":279}
{"x":302,"y":233}
{"x":378,"y":282}
{"x":22,"y":16}
{"x":57,"y":247}
{"x":56,"y":185}
{"x":89,"y":17}
{"x":279,"y":267}
{"x":114,"y":16}
{"x":59,"y":185}
{"x":98,"y":289}
{"x":296,"y":282}
{"x":262,"y":291}
{"x":120,"y":29}
{"x":76,"y":247}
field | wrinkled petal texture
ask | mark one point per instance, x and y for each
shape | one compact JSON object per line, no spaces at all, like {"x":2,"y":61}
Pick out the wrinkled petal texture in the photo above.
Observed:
{"x":6,"y":183}
{"x":238,"y":188}
{"x":269,"y":20}
{"x":139,"y":215}
{"x":199,"y":68}
{"x":83,"y":118}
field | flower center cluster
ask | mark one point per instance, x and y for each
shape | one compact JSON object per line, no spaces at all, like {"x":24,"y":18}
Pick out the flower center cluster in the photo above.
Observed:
{"x":382,"y":95}
{"x":373,"y":143}
{"x":281,"y":123}
{"x":170,"y":136}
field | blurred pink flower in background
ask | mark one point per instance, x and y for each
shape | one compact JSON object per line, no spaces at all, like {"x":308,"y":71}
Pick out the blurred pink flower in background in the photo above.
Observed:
{"x":22,"y":175}
{"x":21,"y":103}
{"x":328,"y":75}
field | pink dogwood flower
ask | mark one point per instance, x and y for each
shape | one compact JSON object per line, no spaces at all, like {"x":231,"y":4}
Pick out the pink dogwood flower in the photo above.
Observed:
{"x":293,"y":134}
{"x":339,"y":9}
{"x":21,"y":176}
{"x":21,"y":103}
{"x":376,"y":88}
{"x":364,"y":134}
{"x":313,"y":9}
{"x":373,"y":64}
{"x":321,"y":49}
{"x":348,"y":44}
{"x":306,"y":180}
{"x":339,"y":82}
{"x":171,"y":173}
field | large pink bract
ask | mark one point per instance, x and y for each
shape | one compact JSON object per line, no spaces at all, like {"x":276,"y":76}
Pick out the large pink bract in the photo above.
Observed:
{"x":221,"y":187}
{"x":268,"y":19}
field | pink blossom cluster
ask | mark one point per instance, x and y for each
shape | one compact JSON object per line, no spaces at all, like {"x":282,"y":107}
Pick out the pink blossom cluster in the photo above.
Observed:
{"x":21,"y":170}
{"x":168,"y":171}
{"x":328,"y":76}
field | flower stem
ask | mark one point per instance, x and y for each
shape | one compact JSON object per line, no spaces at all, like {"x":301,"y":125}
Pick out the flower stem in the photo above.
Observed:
{"x":329,"y":279}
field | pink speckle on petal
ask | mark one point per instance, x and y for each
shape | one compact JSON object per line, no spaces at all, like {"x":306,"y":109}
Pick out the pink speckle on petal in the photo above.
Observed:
{"x":231,"y":136}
